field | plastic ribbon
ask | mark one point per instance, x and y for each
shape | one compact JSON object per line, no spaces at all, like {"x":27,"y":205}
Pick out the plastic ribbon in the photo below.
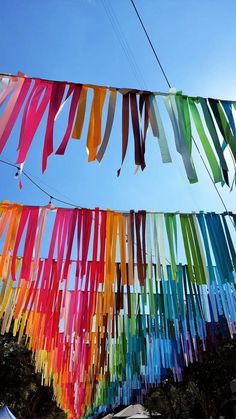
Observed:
{"x":95,"y":128}
{"x":33,"y":113}
{"x":215,"y":138}
{"x":215,"y":168}
{"x":109,"y":123}
{"x":158,"y":129}
{"x":125,"y":127}
{"x":58,"y":90}
{"x":75,"y":91}
{"x":10,"y":114}
{"x":179,"y":114}
{"x":32,"y":97}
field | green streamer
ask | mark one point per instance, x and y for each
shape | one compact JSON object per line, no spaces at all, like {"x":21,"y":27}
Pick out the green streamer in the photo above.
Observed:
{"x":196,"y":246}
{"x":228,"y":136}
{"x":214,"y":136}
{"x":185,"y":122}
{"x":170,"y":221}
{"x":187,"y":247}
{"x":215,"y":168}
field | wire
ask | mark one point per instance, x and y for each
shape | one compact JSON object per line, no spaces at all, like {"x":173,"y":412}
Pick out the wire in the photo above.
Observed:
{"x":50,"y":196}
{"x":114,"y":21}
{"x":151,"y":44}
{"x":38,"y":186}
{"x":56,"y":191}
{"x":53,"y":197}
{"x":169,"y":85}
{"x":123,"y":42}
{"x":91,"y":86}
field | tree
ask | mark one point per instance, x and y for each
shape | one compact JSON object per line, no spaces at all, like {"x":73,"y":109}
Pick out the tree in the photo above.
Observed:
{"x":205,"y":390}
{"x":20,"y":386}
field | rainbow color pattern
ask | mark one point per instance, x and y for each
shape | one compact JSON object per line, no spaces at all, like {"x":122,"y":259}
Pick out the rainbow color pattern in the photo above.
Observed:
{"x":103,"y":302}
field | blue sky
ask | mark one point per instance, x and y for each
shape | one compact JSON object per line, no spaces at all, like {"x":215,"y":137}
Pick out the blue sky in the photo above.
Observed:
{"x":101,"y":42}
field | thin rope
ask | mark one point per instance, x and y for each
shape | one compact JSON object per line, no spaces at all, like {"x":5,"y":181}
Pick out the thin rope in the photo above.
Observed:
{"x":123,"y":42}
{"x":53,"y":197}
{"x":169,"y":85}
{"x":151,"y":44}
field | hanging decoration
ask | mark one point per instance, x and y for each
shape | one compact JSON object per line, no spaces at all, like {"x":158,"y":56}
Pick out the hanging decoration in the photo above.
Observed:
{"x":104,"y":302}
{"x":33,"y":98}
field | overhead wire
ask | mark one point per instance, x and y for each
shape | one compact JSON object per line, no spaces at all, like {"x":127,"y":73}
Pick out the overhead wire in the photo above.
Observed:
{"x":74,"y":205}
{"x":50,"y":195}
{"x":133,"y":64}
{"x":169,"y":85}
{"x":123,"y":42}
{"x":119,"y":35}
{"x":54,"y":198}
{"x":151,"y":45}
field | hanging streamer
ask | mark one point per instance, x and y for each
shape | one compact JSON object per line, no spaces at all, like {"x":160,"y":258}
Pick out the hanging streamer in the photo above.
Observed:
{"x":33,"y":98}
{"x":109,"y":309}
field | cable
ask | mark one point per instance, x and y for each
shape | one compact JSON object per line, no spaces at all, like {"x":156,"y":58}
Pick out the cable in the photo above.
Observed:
{"x":151,"y":44}
{"x":132,"y":56}
{"x":123,"y":42}
{"x":38,"y":186}
{"x":56,"y":191}
{"x":52,"y":197}
{"x":169,"y":85}
{"x":91,"y":86}
{"x":121,"y":37}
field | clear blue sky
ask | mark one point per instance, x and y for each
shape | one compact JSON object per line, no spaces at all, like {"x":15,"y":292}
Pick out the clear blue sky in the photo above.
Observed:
{"x":77,"y":40}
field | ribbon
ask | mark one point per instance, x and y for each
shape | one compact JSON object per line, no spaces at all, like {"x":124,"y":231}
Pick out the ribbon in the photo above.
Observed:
{"x":215,"y":168}
{"x":79,"y":121}
{"x":109,"y":123}
{"x":179,"y":114}
{"x":125,"y":127}
{"x":58,"y":90}
{"x":33,"y":113}
{"x":95,"y":123}
{"x":215,"y":138}
{"x":158,"y":129}
{"x":75,"y":91}
{"x":10,"y":114}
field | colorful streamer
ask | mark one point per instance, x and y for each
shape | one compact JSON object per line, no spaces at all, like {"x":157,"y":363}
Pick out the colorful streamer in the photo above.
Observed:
{"x":214,"y":121}
{"x":104,"y":302}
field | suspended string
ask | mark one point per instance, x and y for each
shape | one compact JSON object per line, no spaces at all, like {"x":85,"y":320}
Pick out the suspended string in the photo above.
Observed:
{"x":190,"y":235}
{"x":209,"y":174}
{"x":139,"y":108}
{"x":169,"y":85}
{"x":123,"y":42}
{"x":91,"y":85}
{"x":151,"y":44}
{"x":119,"y":89}
{"x":128,"y":56}
{"x":51,"y":197}
{"x":180,"y":173}
{"x":94,"y":387}
{"x":55,"y":198}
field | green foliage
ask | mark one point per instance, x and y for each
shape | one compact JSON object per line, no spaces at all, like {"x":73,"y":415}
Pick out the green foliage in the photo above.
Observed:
{"x":20,"y":386}
{"x":205,"y":390}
